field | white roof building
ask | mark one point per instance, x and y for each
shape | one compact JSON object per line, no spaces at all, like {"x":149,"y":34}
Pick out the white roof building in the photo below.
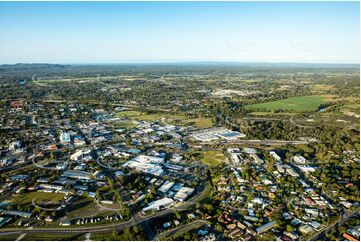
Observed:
{"x":166,"y":187}
{"x":299,"y":159}
{"x":159,"y":204}
{"x":274,"y":155}
{"x":183,"y":193}
{"x":146,"y":164}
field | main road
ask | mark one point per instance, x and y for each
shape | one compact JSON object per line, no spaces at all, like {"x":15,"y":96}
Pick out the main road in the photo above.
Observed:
{"x":136,"y":219}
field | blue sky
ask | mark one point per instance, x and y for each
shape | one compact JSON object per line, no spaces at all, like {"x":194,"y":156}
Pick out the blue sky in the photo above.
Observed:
{"x":117,"y":32}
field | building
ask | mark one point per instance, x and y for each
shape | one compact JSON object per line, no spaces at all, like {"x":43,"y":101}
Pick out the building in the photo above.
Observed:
{"x":16,"y":213}
{"x":65,"y":137}
{"x":146,"y":164}
{"x":166,"y":187}
{"x":183,"y":193}
{"x":349,"y":237}
{"x":159,"y":204}
{"x":275,"y":156}
{"x":207,"y":135}
{"x":305,"y":229}
{"x":4,"y":220}
{"x":265,"y":227}
{"x":77,"y":174}
{"x":299,"y":159}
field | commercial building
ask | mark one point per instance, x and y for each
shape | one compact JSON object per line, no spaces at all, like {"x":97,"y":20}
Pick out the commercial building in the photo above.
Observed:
{"x":207,"y":135}
{"x":159,"y":204}
{"x":77,"y":174}
{"x":183,"y":193}
{"x":166,"y":187}
{"x":146,"y":164}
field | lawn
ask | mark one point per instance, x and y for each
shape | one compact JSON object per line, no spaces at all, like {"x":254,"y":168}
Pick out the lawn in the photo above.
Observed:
{"x":125,"y":124}
{"x":84,"y":207}
{"x":209,"y":157}
{"x":300,"y":104}
{"x":52,"y":236}
{"x":175,"y":119}
{"x":200,"y":123}
{"x":27,"y":198}
{"x":128,"y":114}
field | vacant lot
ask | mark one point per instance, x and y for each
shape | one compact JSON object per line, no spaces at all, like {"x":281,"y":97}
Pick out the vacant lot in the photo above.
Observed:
{"x":174,"y":119}
{"x":300,"y":104}
{"x":27,"y":198}
{"x":209,"y":157}
{"x":128,"y":114}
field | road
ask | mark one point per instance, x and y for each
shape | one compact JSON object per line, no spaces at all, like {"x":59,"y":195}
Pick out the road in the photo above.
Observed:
{"x":328,"y":228}
{"x":186,"y":227}
{"x":258,"y":142}
{"x":135,"y":220}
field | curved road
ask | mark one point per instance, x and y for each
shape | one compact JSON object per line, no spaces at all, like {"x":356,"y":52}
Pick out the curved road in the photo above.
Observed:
{"x":135,"y":220}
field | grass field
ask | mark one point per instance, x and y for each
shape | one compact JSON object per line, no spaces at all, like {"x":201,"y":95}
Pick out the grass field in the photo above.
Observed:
{"x":125,"y":124}
{"x":52,"y":236}
{"x":324,"y":87}
{"x":84,"y":207}
{"x":210,"y":157}
{"x":175,"y":119}
{"x":352,"y":107}
{"x":128,"y":114}
{"x":27,"y":198}
{"x":9,"y":237}
{"x":300,"y":104}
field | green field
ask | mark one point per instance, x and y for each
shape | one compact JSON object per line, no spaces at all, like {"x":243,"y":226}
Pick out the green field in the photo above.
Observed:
{"x":300,"y":104}
{"x":27,"y":198}
{"x":352,"y":107}
{"x":85,"y":207}
{"x":174,"y":119}
{"x":52,"y":236}
{"x":209,"y":157}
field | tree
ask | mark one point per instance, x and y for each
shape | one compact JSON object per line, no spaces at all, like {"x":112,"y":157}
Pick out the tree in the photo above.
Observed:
{"x":289,"y":228}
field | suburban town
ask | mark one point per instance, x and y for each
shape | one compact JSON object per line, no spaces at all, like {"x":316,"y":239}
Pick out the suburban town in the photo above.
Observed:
{"x":179,"y":121}
{"x":117,"y":168}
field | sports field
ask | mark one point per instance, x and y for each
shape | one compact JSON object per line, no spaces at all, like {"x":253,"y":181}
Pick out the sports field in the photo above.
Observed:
{"x":299,"y":104}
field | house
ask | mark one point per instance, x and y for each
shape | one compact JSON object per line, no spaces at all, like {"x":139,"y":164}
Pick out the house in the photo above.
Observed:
{"x":65,"y":137}
{"x":349,"y":237}
{"x":275,"y":156}
{"x":305,"y":229}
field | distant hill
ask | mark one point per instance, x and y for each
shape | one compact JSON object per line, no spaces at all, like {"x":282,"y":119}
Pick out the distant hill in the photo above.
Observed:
{"x":24,"y":66}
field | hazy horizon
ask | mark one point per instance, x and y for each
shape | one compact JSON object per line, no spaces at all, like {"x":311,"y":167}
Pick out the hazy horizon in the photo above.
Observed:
{"x":179,"y":32}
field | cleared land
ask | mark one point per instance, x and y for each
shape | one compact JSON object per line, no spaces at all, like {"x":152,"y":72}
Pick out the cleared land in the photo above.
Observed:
{"x":209,"y":157}
{"x":175,"y":119}
{"x":26,"y":198}
{"x":300,"y":104}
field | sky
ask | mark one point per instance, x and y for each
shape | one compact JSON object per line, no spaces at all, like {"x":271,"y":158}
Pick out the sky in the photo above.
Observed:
{"x":139,"y":32}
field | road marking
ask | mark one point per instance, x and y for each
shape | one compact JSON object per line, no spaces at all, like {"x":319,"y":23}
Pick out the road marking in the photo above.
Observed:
{"x":21,"y":237}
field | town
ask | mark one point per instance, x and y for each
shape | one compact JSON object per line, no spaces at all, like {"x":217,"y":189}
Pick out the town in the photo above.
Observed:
{"x":93,"y":168}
